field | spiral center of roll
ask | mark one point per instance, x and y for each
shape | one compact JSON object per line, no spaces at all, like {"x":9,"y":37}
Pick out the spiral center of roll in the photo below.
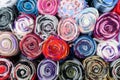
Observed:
{"x":27,"y":5}
{"x":6,"y":44}
{"x":70,"y":72}
{"x":96,"y":69}
{"x":3,"y":69}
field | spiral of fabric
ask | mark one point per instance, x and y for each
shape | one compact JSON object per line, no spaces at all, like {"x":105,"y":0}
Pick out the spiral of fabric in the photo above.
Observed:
{"x":55,"y":48}
{"x":24,"y":70}
{"x":71,"y":70}
{"x":95,"y":68}
{"x":107,"y":26}
{"x":8,"y":44}
{"x":84,"y":46}
{"x":48,"y":6}
{"x":29,"y":46}
{"x":46,"y":25}
{"x":23,"y":25}
{"x":47,"y":70}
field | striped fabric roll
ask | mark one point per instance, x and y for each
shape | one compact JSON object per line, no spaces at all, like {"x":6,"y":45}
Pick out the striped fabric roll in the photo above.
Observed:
{"x":30,"y":46}
{"x":85,"y":46}
{"x":104,"y":5}
{"x":24,"y":70}
{"x":67,"y":29}
{"x":107,"y":26}
{"x":108,"y":50}
{"x":86,"y":19}
{"x":71,"y":70}
{"x":55,"y":48}
{"x":27,"y":6}
{"x":47,"y":70}
{"x":8,"y":44}
{"x":48,"y":6}
{"x":23,"y":25}
{"x":46,"y":25}
{"x":95,"y":68}
{"x":6,"y":68}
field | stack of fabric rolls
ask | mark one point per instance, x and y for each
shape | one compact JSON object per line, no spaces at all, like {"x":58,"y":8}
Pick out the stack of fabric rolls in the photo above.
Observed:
{"x":59,"y":39}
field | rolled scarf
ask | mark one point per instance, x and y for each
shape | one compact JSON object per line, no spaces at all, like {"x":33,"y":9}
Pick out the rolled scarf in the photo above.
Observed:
{"x":27,"y":6}
{"x":71,"y":70}
{"x":24,"y":70}
{"x":104,"y":5}
{"x":115,"y":69}
{"x":30,"y":46}
{"x":48,"y":6}
{"x":23,"y":25}
{"x":107,"y":26}
{"x":85,"y":46}
{"x":95,"y":68}
{"x":8,"y":44}
{"x":86,"y":19}
{"x":7,"y":3}
{"x":46,"y":25}
{"x":108,"y":50}
{"x":55,"y":48}
{"x":7,"y":16}
{"x":47,"y":70}
{"x":117,"y":7}
{"x":6,"y":68}
{"x":67,"y":29}
{"x":70,"y":8}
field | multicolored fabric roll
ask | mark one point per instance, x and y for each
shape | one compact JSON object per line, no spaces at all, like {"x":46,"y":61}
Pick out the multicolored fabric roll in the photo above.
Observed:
{"x":85,"y":46}
{"x":8,"y":44}
{"x":6,"y":68}
{"x":24,"y":70}
{"x":48,"y":6}
{"x":7,"y":16}
{"x":55,"y":48}
{"x":71,"y":70}
{"x":107,"y":26}
{"x":46,"y":25}
{"x":108,"y":50}
{"x":30,"y":46}
{"x":70,"y":8}
{"x":104,"y":5}
{"x":7,"y":3}
{"x":27,"y":6}
{"x":115,"y":69}
{"x":117,"y":7}
{"x":67,"y":29}
{"x":86,"y":19}
{"x":47,"y":70}
{"x":95,"y":68}
{"x":23,"y":25}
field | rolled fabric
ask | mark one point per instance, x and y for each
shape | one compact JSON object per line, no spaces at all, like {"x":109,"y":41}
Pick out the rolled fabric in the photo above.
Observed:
{"x":8,"y":44}
{"x":29,"y":46}
{"x":95,"y":68}
{"x":24,"y":70}
{"x":104,"y":5}
{"x":86,"y":19}
{"x":47,"y":70}
{"x":70,"y":8}
{"x":107,"y":26}
{"x":71,"y":70}
{"x":27,"y":6}
{"x":23,"y":25}
{"x":85,"y":46}
{"x":115,"y":69}
{"x":7,"y":16}
{"x":55,"y":48}
{"x":46,"y":25}
{"x":108,"y":50}
{"x":48,"y":6}
{"x":117,"y":7}
{"x":7,"y":3}
{"x":67,"y":29}
{"x":6,"y":68}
